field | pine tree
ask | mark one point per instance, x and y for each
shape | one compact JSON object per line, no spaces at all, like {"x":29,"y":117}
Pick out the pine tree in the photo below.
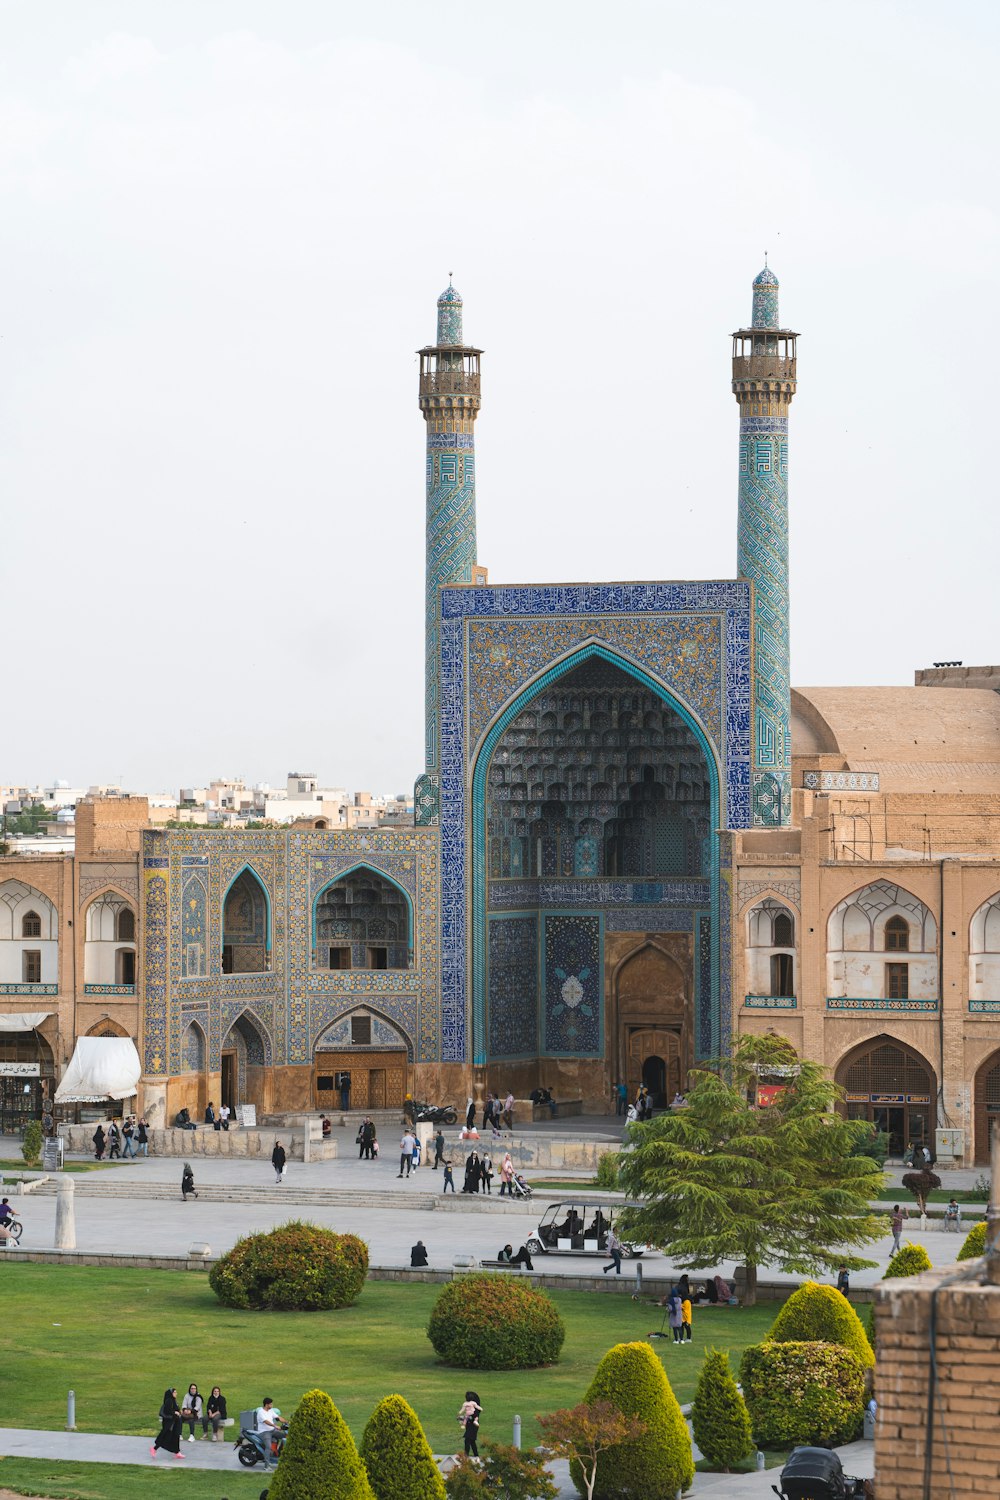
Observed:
{"x":397,"y":1455}
{"x":319,"y":1460}
{"x":719,"y":1414}
{"x":728,"y":1179}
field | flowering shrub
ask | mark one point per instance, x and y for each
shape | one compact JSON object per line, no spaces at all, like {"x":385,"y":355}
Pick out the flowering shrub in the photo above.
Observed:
{"x":802,"y":1393}
{"x":494,"y":1322}
{"x":296,"y":1267}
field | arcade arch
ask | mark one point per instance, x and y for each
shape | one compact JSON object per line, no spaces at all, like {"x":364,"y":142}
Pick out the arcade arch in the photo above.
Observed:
{"x":984,"y":951}
{"x":890,"y":1084}
{"x":360,"y":1061}
{"x":246,"y":926}
{"x":887,"y":919}
{"x":770,"y":949}
{"x":109,"y":941}
{"x":246,"y":1058}
{"x":29,"y":936}
{"x":30,"y":1079}
{"x":985,"y":1105}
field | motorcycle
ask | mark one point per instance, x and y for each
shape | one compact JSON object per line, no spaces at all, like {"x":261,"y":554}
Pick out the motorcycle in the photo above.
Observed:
{"x":437,"y":1114}
{"x":260,"y":1447}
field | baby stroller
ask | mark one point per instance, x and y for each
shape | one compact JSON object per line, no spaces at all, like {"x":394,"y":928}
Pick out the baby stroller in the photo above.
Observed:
{"x":817,"y":1474}
{"x":518,"y":1187}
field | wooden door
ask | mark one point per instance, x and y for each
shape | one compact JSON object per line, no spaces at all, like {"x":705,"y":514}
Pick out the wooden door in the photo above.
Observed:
{"x":376,"y":1088}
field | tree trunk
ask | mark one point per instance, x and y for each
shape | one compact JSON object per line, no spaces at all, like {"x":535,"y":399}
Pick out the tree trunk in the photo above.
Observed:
{"x":750,"y":1298}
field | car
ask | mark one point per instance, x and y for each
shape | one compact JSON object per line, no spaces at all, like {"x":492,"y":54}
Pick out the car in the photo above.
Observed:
{"x":579,"y":1226}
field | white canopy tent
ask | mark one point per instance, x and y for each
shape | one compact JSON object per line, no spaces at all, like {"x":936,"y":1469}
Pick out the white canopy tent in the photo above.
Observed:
{"x":102,"y":1067}
{"x":23,"y":1020}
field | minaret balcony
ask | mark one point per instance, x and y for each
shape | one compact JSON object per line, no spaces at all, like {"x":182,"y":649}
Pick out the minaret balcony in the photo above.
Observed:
{"x":449,"y":383}
{"x":763,"y":367}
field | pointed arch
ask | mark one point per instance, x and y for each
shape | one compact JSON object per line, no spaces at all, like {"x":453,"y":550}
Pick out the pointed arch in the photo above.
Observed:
{"x":364,"y":1006}
{"x":108,"y":1027}
{"x":246,"y":923}
{"x":365,"y":867}
{"x":194,"y":1047}
{"x":709,"y":773}
{"x":255,"y":1035}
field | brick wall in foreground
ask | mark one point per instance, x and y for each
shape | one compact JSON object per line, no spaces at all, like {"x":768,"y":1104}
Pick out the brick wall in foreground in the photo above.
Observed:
{"x":966,"y":1432}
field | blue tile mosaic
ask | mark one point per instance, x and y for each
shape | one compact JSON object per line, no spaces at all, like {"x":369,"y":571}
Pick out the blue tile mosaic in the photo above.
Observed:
{"x":573,"y":962}
{"x":513,"y":986}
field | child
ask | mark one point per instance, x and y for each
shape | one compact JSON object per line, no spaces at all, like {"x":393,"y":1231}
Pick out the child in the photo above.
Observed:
{"x":449,"y":1180}
{"x":416,"y":1154}
{"x":686,"y":1319}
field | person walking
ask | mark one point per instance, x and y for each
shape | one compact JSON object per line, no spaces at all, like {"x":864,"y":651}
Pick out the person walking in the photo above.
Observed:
{"x":469,"y":1414}
{"x":685,"y":1316}
{"x":216,"y":1414}
{"x":896,"y":1221}
{"x":488,"y":1111}
{"x":438,"y":1148}
{"x":614,"y":1249}
{"x":169,"y":1436}
{"x":278,"y":1161}
{"x":470,"y":1115}
{"x":508,"y":1110}
{"x":187,"y":1182}
{"x":193,"y":1411}
{"x":100,"y":1142}
{"x":142,"y":1136}
{"x":128,"y":1136}
{"x":409,"y":1112}
{"x":506,"y":1176}
{"x":449,"y":1178}
{"x":406,"y":1146}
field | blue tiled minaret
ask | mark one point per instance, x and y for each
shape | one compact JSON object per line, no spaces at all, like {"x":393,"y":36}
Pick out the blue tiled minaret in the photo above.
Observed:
{"x":764,"y":364}
{"x":450,"y":401}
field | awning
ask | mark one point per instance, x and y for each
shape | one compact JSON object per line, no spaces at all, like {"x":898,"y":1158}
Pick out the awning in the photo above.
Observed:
{"x":23,"y":1020}
{"x":102,"y":1067}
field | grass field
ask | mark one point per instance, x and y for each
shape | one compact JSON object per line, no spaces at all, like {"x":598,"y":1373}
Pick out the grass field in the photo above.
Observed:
{"x":63,"y":1481}
{"x":119,"y":1337}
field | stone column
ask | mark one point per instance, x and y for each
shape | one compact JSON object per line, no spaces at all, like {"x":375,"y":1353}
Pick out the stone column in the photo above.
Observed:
{"x":65,"y":1214}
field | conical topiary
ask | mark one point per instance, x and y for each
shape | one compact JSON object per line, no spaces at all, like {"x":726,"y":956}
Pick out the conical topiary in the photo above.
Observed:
{"x":397,"y":1455}
{"x":822,"y":1313}
{"x":975,"y":1243}
{"x":909,"y":1261}
{"x":719,"y":1414}
{"x":657,"y":1464}
{"x":320,"y":1460}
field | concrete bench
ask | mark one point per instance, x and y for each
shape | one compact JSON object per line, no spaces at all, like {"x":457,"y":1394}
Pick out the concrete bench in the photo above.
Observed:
{"x":564,"y":1108}
{"x":504,"y":1265}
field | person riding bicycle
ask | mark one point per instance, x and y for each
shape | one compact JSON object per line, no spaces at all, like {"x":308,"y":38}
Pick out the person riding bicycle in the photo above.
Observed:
{"x":6,"y":1220}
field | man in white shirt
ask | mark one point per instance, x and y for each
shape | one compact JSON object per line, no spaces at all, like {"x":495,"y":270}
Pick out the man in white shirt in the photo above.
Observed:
{"x":266,"y":1415}
{"x":406,"y":1146}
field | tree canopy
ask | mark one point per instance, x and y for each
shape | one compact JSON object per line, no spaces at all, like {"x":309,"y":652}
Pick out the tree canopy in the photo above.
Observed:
{"x":759,"y":1167}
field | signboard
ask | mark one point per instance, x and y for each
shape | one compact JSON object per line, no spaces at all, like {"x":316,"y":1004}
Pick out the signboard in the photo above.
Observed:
{"x":246,"y":1115}
{"x":20,"y":1070}
{"x":767,"y":1093}
{"x":52,"y":1153}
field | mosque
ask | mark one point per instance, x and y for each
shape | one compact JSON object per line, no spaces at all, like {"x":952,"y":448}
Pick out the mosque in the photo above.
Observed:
{"x":632,"y":837}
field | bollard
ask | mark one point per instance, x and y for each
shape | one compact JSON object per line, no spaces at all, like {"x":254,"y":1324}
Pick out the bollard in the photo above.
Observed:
{"x":760,"y":1459}
{"x":71,"y":1411}
{"x":65,"y":1215}
{"x":517,"y":1432}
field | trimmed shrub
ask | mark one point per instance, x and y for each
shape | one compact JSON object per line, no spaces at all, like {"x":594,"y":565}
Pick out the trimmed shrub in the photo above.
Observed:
{"x":31,"y":1143}
{"x":868,"y":1323}
{"x":909,"y":1261}
{"x":502,"y":1473}
{"x":319,"y":1460}
{"x":802,"y":1393}
{"x":821,"y":1313}
{"x":494,"y":1322}
{"x":719,"y":1414}
{"x":397,"y":1455}
{"x":921,"y":1184}
{"x":298,"y":1267}
{"x":975,"y":1243}
{"x":657,"y":1464}
{"x":607,"y":1171}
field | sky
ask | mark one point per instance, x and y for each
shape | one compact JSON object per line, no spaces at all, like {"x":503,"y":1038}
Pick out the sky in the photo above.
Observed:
{"x":223,"y":230}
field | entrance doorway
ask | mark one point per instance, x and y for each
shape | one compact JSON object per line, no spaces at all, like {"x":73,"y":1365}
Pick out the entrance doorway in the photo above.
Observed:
{"x":378,"y":1078}
{"x":892,"y":1086}
{"x":654,"y":1058}
{"x":654,"y":1076}
{"x":229,"y":1075}
{"x":986,"y":1104}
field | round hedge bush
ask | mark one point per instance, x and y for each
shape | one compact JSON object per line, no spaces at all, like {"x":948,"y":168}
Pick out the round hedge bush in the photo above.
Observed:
{"x":909,"y":1261}
{"x":295,"y":1268}
{"x":494,"y":1322}
{"x":659,"y":1462}
{"x":975,"y":1243}
{"x":821,"y":1313}
{"x":802,"y":1393}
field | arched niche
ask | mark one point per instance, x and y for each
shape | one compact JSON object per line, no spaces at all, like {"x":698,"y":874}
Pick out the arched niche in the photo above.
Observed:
{"x":109,"y":949}
{"x":246,"y":1060}
{"x":984,"y":951}
{"x":246,"y":925}
{"x":29,"y":936}
{"x":985,"y":1105}
{"x":652,"y":1003}
{"x":770,"y":949}
{"x":885,"y":919}
{"x":363,"y":919}
{"x":361,"y":1061}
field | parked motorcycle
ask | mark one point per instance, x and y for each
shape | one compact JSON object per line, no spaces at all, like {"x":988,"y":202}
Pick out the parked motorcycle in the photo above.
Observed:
{"x":260,"y":1447}
{"x":437,"y":1114}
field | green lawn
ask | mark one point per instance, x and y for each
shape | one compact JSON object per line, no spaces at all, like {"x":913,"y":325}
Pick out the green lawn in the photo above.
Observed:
{"x":10,"y":1165}
{"x":62,"y":1481}
{"x":119,"y":1337}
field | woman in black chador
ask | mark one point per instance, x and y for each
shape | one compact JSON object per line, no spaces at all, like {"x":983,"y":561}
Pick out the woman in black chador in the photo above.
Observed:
{"x":169,"y":1436}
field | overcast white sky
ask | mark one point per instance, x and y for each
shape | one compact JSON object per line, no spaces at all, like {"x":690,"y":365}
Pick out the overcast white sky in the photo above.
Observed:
{"x":223,"y":230}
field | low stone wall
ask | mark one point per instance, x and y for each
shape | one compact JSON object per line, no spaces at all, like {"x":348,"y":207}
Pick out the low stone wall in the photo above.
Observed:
{"x":204,"y":1141}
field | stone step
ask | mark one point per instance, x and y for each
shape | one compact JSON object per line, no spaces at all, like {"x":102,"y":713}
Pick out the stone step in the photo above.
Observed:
{"x":315,"y":1197}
